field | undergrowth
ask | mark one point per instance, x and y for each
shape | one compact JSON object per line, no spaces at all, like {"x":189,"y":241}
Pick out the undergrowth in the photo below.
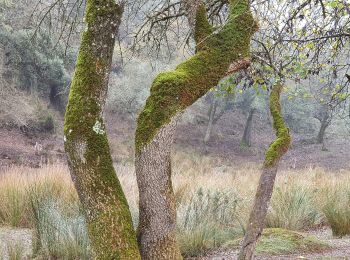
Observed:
{"x":213,"y":205}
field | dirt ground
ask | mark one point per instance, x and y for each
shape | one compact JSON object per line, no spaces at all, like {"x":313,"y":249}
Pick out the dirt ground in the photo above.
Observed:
{"x":35,"y":149}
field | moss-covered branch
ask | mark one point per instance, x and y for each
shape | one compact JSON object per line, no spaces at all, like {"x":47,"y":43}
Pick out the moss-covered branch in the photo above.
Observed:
{"x":281,"y":145}
{"x":173,"y":91}
{"x":107,"y":213}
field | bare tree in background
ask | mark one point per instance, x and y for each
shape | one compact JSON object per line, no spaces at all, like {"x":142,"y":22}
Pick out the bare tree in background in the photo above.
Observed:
{"x":106,"y":210}
{"x":247,"y":134}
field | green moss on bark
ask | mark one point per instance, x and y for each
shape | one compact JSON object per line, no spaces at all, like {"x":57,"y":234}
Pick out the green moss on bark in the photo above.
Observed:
{"x":281,"y":145}
{"x":107,"y":213}
{"x":174,"y":91}
{"x":203,"y":29}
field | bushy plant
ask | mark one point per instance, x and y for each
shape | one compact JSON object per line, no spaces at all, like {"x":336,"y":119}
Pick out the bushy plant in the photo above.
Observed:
{"x":47,"y":123}
{"x":33,"y":65}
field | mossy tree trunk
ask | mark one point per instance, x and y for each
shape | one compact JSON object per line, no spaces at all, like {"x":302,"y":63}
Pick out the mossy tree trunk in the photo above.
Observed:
{"x":107,"y":213}
{"x":266,"y":183}
{"x":217,"y":54}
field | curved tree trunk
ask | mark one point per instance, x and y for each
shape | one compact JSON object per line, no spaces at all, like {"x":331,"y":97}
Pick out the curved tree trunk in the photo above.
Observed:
{"x":266,"y":183}
{"x":111,"y":232}
{"x":171,"y":93}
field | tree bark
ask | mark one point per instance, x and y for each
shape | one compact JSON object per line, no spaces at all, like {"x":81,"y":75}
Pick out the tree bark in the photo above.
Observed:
{"x":266,"y":183}
{"x":157,"y":227}
{"x":171,"y":93}
{"x":109,"y":222}
{"x":246,"y":139}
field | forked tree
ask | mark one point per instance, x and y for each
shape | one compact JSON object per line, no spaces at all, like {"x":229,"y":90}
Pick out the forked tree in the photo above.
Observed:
{"x":218,"y":53}
{"x":106,"y":210}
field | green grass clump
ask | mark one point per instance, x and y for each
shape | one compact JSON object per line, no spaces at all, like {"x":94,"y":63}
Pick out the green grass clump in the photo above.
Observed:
{"x":293,"y":208}
{"x":337,"y":210}
{"x":60,"y":230}
{"x":207,"y":221}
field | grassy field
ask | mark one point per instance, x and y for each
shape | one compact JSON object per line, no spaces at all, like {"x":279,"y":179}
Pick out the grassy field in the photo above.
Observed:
{"x":213,"y":206}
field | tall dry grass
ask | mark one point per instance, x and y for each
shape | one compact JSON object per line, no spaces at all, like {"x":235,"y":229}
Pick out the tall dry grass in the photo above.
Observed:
{"x":213,"y":203}
{"x":19,"y":185}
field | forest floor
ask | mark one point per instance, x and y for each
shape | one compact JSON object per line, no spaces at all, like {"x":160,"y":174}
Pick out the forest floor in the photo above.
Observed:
{"x":340,"y":247}
{"x":15,"y":239}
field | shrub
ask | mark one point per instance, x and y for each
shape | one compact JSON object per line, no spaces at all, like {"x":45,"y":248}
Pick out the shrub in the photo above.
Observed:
{"x":33,"y":65}
{"x":47,"y":124}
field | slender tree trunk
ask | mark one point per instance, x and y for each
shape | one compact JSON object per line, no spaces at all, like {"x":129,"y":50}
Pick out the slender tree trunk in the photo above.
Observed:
{"x":111,"y":232}
{"x":171,"y":93}
{"x":266,"y":183}
{"x":246,"y":139}
{"x":322,"y":131}
{"x":212,"y":110}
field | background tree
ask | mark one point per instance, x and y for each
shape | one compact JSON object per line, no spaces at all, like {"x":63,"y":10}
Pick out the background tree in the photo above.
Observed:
{"x":106,"y":210}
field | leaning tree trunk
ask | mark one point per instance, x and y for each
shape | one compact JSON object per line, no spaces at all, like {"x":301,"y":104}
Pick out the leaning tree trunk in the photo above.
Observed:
{"x":247,"y":135}
{"x":171,"y":93}
{"x":266,"y":183}
{"x":106,"y":210}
